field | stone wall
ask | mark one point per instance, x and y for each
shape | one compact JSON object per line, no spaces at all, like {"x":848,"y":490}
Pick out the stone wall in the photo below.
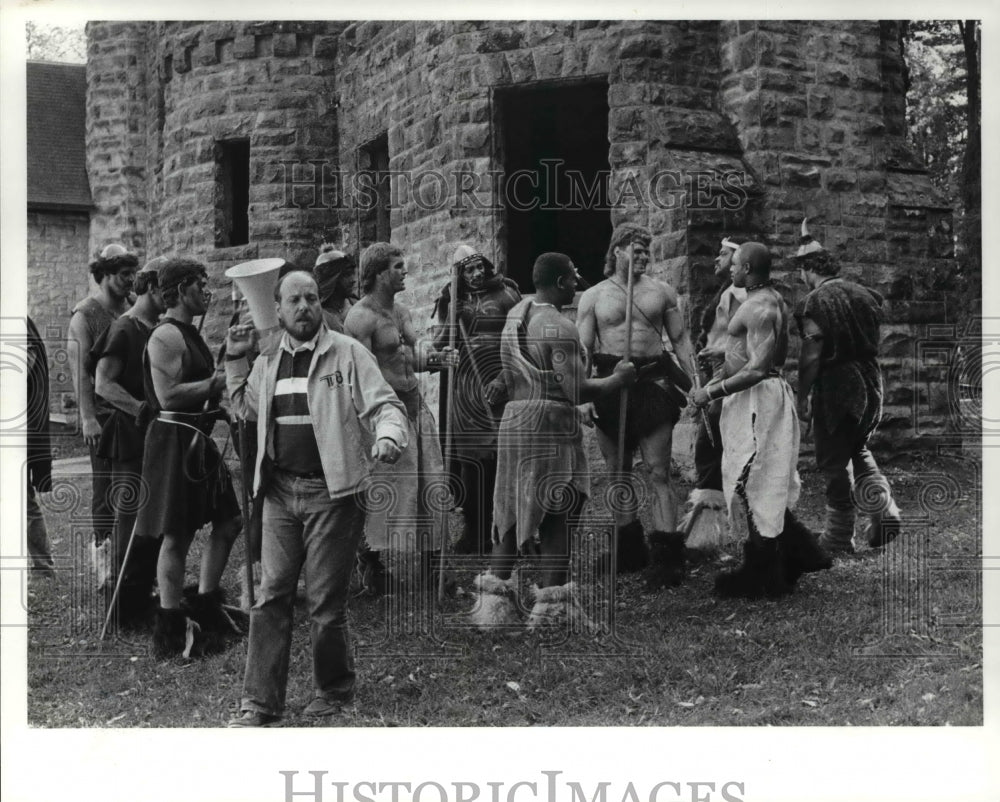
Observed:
{"x":116,"y":128}
{"x":57,"y":277}
{"x":738,"y":128}
{"x":819,"y":109}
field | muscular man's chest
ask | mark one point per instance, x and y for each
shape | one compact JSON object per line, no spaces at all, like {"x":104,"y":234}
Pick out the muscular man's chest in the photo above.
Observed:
{"x":646,"y":309}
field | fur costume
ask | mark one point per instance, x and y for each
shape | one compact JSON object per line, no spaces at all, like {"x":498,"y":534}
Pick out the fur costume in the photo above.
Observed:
{"x":632,"y":551}
{"x":496,"y":606}
{"x":559,"y":606}
{"x":706,"y":523}
{"x":170,"y":633}
{"x":667,"y":560}
{"x":761,"y":574}
{"x":802,"y":551}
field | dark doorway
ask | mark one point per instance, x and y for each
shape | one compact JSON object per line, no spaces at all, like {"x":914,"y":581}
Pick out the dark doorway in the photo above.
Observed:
{"x":555,"y":158}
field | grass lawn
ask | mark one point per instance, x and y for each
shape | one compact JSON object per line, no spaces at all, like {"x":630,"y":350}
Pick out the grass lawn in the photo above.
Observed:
{"x":884,"y":638}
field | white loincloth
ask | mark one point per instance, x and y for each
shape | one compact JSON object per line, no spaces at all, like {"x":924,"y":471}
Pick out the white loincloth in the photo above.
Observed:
{"x":760,"y":440}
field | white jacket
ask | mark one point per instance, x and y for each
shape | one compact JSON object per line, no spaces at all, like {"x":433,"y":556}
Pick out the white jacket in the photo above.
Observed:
{"x":345,"y":391}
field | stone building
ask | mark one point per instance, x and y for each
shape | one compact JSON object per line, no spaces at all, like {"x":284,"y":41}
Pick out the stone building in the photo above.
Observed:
{"x":237,"y":140}
{"x":59,"y":201}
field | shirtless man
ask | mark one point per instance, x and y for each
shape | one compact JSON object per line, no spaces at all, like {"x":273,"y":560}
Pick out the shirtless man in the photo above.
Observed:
{"x":114,"y":272}
{"x":542,"y":477}
{"x":655,"y":403}
{"x":760,"y":433}
{"x":385,"y":328}
{"x":706,"y":526}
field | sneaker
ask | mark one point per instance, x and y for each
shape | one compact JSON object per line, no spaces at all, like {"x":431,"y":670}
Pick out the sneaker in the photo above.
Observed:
{"x":320,"y":707}
{"x":254,"y":718}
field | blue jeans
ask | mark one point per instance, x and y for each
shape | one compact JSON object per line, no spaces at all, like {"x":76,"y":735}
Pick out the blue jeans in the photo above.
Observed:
{"x":303,"y":526}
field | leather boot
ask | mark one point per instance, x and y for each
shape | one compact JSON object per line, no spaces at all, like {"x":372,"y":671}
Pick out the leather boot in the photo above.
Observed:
{"x":838,"y":536}
{"x":803,"y":553}
{"x":762,"y":573}
{"x":667,"y":561}
{"x":884,"y":527}
{"x":633,"y":554}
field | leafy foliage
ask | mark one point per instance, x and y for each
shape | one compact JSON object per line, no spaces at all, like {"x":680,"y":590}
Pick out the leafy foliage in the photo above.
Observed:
{"x":55,"y":43}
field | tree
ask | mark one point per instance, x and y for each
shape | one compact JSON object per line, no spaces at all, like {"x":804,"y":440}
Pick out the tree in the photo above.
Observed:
{"x":55,"y":43}
{"x":943,"y":111}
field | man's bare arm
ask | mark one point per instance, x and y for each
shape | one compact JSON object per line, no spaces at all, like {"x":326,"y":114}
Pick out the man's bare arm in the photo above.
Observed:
{"x":78,"y":344}
{"x":360,"y":324}
{"x":109,"y":371}
{"x":761,"y":324}
{"x":166,"y":361}
{"x":586,"y":324}
{"x":426,"y":356}
{"x":679,"y":338}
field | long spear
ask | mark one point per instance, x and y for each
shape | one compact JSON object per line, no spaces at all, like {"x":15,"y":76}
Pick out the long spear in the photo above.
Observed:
{"x":449,"y":413}
{"x":623,"y":410}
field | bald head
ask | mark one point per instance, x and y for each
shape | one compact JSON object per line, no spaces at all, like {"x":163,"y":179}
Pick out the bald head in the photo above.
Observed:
{"x":756,"y":257}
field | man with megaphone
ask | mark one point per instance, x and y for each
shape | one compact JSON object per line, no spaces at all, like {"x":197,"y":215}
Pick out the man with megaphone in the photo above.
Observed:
{"x":315,"y":398}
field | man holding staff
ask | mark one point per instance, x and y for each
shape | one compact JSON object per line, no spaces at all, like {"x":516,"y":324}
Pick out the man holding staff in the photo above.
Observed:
{"x":654,"y":404}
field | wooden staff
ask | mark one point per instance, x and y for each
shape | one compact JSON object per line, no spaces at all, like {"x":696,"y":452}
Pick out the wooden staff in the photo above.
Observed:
{"x":246,"y":477}
{"x":623,"y":410}
{"x":118,"y":583}
{"x":449,"y":416}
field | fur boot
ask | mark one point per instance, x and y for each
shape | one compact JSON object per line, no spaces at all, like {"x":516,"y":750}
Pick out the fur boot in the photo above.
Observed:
{"x":169,"y":633}
{"x":633,"y":554}
{"x":803,"y":553}
{"x":706,"y":523}
{"x":136,"y":606}
{"x":216,"y":624}
{"x":559,"y":606}
{"x":762,"y":573}
{"x":667,"y":561}
{"x":496,"y":606}
{"x":838,"y":535}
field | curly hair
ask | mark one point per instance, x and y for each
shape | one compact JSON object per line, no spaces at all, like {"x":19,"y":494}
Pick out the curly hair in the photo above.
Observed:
{"x":108,"y":266}
{"x":622,"y":236}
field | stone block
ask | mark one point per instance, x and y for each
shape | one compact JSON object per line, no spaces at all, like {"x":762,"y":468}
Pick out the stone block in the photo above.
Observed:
{"x":521,"y":66}
{"x":548,"y":61}
{"x":641,"y":46}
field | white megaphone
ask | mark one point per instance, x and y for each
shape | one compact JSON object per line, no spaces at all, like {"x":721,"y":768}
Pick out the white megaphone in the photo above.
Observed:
{"x":256,"y":281}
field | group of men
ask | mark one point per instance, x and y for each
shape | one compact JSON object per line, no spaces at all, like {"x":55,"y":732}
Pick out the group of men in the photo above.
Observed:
{"x":348,"y":464}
